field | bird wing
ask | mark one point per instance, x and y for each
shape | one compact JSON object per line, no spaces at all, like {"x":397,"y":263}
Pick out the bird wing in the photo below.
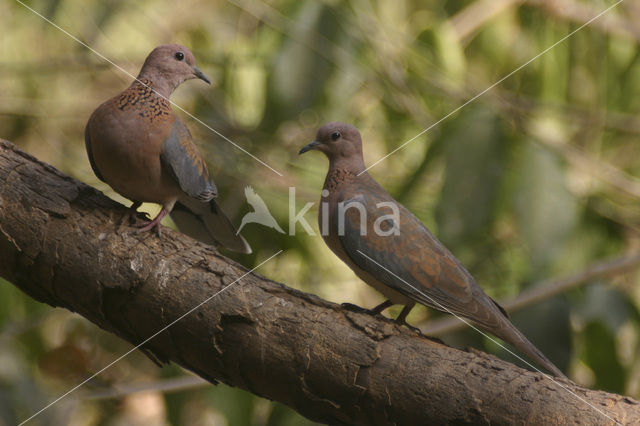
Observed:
{"x":183,"y":160}
{"x":413,"y":262}
{"x":87,"y":144}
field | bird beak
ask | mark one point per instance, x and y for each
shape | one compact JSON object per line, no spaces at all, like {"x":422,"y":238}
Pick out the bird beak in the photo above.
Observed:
{"x":200,"y":75}
{"x":309,"y":147}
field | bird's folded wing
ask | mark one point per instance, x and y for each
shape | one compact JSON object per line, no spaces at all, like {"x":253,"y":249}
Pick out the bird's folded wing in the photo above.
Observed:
{"x":181,"y":158}
{"x":414,"y":262}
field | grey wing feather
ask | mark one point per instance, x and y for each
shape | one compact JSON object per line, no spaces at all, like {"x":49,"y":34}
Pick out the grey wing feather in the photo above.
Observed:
{"x":414,"y":263}
{"x":182,"y":159}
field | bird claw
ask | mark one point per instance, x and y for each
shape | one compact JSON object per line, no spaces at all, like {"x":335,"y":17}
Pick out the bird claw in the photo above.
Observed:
{"x":132,"y":216}
{"x":410,"y":327}
{"x":148,"y":226}
{"x":144,"y":216}
{"x":355,"y":308}
{"x":373,"y":312}
{"x":136,"y":220}
{"x":155,"y":223}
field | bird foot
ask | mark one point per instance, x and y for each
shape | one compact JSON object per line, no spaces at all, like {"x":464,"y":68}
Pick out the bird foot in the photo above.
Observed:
{"x":135,"y":219}
{"x":377,"y":311}
{"x":355,"y":308}
{"x":148,"y":226}
{"x":143,"y":216}
{"x":133,"y":215}
{"x":410,"y":327}
{"x":155,"y":223}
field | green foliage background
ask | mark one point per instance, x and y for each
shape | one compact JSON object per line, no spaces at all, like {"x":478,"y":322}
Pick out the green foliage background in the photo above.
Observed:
{"x":534,"y":180}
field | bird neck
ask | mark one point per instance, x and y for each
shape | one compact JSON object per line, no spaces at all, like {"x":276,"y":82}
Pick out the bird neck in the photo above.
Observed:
{"x":160,"y":86}
{"x":342,"y":172}
{"x":352,"y":164}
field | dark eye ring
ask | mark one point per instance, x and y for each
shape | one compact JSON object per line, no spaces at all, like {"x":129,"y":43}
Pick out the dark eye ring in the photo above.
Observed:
{"x":335,"y":136}
{"x":179,"y":56}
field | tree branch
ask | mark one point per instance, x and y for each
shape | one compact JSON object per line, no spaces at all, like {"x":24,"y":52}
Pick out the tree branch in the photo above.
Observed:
{"x":577,"y":12}
{"x":59,"y":244}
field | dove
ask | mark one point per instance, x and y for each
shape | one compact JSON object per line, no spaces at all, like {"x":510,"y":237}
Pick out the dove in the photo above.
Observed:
{"x":391,"y":250}
{"x":138,"y":146}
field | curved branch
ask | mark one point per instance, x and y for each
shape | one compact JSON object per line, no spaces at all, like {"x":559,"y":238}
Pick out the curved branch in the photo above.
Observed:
{"x":58,"y":244}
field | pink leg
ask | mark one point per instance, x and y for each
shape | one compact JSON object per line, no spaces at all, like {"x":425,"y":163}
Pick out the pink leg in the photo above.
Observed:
{"x":155,"y":223}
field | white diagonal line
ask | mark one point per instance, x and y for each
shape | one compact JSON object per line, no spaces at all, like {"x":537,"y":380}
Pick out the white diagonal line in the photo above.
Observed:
{"x":493,"y":85}
{"x":445,"y":309}
{"x":136,"y":79}
{"x":190,"y":311}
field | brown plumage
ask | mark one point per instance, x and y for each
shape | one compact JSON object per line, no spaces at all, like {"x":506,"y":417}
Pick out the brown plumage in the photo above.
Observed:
{"x":138,"y":146}
{"x":391,"y":250}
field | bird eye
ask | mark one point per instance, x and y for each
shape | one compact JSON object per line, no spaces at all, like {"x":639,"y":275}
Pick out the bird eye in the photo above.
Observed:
{"x":179,"y":56}
{"x":335,"y":136}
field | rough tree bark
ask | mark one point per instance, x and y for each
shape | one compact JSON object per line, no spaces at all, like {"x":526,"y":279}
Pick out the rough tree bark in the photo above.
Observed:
{"x":58,"y":243}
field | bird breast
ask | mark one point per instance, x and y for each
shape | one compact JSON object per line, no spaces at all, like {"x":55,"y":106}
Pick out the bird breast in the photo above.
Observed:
{"x":126,"y":149}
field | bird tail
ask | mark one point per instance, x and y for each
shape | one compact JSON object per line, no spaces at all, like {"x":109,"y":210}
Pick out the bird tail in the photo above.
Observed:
{"x":509,"y":333}
{"x":207,"y":222}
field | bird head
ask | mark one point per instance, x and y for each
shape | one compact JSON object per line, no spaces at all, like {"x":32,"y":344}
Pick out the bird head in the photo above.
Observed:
{"x":170,"y":65}
{"x":337,"y":141}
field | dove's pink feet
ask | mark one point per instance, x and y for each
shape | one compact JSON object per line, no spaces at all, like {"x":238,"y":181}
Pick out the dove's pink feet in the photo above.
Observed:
{"x":155,"y":223}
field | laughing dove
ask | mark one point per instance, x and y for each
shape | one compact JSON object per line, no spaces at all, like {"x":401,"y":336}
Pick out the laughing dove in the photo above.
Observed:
{"x":140,"y":148}
{"x":389,"y":249}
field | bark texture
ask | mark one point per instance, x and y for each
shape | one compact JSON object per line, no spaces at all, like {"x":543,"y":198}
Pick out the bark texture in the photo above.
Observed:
{"x":59,"y":243}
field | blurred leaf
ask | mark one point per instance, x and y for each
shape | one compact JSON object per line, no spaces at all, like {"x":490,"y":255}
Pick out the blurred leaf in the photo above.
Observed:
{"x":246,"y":92}
{"x":554,"y":70}
{"x":299,"y":71}
{"x":547,"y":326}
{"x":450,"y":52}
{"x":606,"y":305}
{"x":546,"y":209}
{"x":281,"y":415}
{"x":237,"y":405}
{"x":473,"y":155}
{"x":610,"y":375}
